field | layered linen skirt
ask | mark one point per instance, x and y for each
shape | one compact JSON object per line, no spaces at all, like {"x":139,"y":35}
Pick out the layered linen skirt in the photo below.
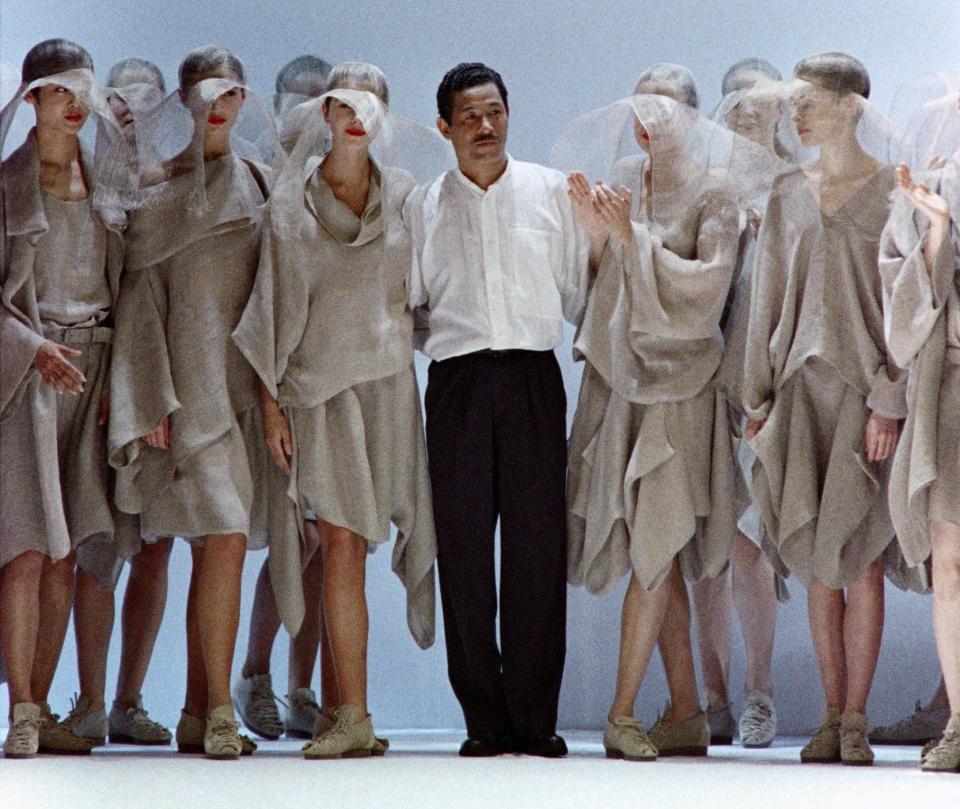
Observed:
{"x":648,"y":483}
{"x":824,"y":506}
{"x":945,"y":490}
{"x":56,"y":494}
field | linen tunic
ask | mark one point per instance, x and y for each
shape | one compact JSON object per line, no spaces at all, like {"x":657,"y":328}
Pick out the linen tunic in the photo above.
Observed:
{"x":58,"y":279}
{"x":329,"y":333}
{"x":651,"y":464}
{"x":188,"y":277}
{"x":815,"y":366}
{"x":922,"y":322}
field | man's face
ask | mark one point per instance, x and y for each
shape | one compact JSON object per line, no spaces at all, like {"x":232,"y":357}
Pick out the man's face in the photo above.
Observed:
{"x":478,"y":126}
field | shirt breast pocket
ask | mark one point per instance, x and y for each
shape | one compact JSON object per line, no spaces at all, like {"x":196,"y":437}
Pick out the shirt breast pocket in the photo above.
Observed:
{"x":534,"y":255}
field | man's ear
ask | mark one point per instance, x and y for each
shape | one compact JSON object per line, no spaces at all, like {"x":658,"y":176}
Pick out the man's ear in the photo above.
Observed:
{"x":443,"y":127}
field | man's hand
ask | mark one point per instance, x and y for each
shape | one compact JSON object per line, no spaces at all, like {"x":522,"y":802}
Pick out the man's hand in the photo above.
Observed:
{"x":56,"y":370}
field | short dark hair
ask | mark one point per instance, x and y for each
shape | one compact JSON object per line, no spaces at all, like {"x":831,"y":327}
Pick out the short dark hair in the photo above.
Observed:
{"x":133,"y":70}
{"x":207,"y":62}
{"x":462,"y":77}
{"x":733,"y":79}
{"x":53,"y":56}
{"x":835,"y":71}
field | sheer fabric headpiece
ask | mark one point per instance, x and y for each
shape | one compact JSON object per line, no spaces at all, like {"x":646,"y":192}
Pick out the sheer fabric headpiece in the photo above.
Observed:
{"x":928,"y":109}
{"x":170,"y":138}
{"x":101,"y":132}
{"x":684,"y":155}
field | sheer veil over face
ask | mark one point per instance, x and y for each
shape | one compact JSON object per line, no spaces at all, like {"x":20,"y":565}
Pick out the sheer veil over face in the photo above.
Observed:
{"x":928,"y":109}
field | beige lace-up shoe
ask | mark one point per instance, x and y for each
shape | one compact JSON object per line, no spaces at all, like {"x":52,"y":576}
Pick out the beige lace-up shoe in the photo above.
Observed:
{"x":134,"y":726}
{"x":325,"y":721}
{"x":689,"y":737}
{"x":191,"y":730}
{"x":945,"y":756}
{"x":222,"y":737}
{"x":86,"y":721}
{"x":854,"y":748}
{"x":23,"y":738}
{"x":57,"y":739}
{"x":824,"y":747}
{"x":758,"y":722}
{"x":350,"y":737}
{"x":922,"y":726}
{"x":624,"y":738}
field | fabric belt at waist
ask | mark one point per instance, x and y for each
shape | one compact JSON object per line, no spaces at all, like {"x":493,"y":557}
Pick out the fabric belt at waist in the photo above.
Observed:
{"x":80,"y":335}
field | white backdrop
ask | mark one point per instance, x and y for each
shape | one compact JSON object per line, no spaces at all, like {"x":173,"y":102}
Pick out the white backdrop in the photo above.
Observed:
{"x":558,"y":59}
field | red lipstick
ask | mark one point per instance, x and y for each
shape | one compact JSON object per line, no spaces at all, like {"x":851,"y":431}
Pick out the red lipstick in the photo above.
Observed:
{"x":216,"y":120}
{"x":356,"y":133}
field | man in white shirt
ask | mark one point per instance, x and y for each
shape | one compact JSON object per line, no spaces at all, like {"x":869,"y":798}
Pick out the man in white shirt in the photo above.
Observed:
{"x":499,"y":262}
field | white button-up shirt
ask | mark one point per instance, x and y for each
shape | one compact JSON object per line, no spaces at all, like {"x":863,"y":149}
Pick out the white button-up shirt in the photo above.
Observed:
{"x":500,"y":268}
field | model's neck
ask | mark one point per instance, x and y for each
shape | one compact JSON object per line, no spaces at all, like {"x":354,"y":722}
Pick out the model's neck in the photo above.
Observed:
{"x":216,"y":144}
{"x":843,"y":156}
{"x":57,"y":148}
{"x":345,"y":166}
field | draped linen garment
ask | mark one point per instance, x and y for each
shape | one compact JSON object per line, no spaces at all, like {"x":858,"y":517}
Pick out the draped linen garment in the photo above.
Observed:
{"x":330,"y":335}
{"x":188,"y":275}
{"x":58,"y":281}
{"x":922,"y":321}
{"x":651,"y":465}
{"x":816,"y":365}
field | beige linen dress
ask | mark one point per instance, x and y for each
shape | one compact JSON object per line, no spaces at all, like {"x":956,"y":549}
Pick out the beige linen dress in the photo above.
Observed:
{"x":922,"y":320}
{"x":328,"y":331}
{"x":816,"y":365}
{"x":651,"y":470}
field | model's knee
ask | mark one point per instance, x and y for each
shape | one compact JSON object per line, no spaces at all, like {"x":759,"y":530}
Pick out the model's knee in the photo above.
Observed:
{"x":28,"y":565}
{"x":946,"y":569}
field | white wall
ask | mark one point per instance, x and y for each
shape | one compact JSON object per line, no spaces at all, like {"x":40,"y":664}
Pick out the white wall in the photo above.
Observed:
{"x":558,"y":60}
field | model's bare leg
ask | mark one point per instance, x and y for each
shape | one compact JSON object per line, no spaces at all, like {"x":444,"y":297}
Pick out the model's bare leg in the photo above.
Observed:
{"x":218,"y":610}
{"x":143,"y":606}
{"x":56,"y":601}
{"x":195,"y":701}
{"x":713,"y":605}
{"x":305,"y":645}
{"x":264,"y":625}
{"x":945,"y":539}
{"x":641,"y":621}
{"x":345,"y":609}
{"x":20,"y":622}
{"x":676,"y":651}
{"x":93,"y":614}
{"x":755,"y":598}
{"x":825,"y":610}
{"x":862,"y":633}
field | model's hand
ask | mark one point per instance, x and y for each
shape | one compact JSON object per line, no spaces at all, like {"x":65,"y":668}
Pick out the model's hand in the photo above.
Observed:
{"x":753,"y":427}
{"x":277,"y":432}
{"x":56,"y":370}
{"x":880,"y":437}
{"x":614,"y":209}
{"x":582,"y":196}
{"x":925,"y":200}
{"x":104,"y":409}
{"x":160,"y":437}
{"x":754,"y":220}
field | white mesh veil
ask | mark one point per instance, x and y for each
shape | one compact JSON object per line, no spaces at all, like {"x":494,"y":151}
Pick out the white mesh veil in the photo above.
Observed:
{"x":928,"y":109}
{"x":170,"y":138}
{"x":684,"y":154}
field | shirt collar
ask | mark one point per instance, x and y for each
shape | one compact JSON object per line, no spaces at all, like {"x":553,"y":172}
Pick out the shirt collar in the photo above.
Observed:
{"x":471,"y":186}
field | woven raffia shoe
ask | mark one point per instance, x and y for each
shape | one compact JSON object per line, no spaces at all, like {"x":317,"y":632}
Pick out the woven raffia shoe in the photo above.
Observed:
{"x":824,"y":747}
{"x":303,"y":715}
{"x":190,"y":733}
{"x":133,"y":726}
{"x":57,"y":739}
{"x":721,"y":726}
{"x":222,"y":737}
{"x":854,"y":749}
{"x":758,"y":722}
{"x":624,"y":738}
{"x":922,"y":726}
{"x":689,"y":737}
{"x":87,"y":722}
{"x":256,"y":703}
{"x":350,"y":737}
{"x":945,"y":756}
{"x":23,"y":738}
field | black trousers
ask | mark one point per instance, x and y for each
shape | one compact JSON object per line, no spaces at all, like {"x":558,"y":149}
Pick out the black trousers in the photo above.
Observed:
{"x":496,"y":441}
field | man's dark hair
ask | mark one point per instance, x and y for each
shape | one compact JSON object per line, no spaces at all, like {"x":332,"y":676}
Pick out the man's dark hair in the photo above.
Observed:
{"x":835,"y":71}
{"x":462,"y":77}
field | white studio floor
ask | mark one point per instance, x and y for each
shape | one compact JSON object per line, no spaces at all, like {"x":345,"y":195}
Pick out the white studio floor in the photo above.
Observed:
{"x":423,"y":771}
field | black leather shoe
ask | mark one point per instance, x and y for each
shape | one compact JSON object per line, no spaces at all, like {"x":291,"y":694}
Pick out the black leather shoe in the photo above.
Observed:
{"x":485,"y":746}
{"x":549,"y":745}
